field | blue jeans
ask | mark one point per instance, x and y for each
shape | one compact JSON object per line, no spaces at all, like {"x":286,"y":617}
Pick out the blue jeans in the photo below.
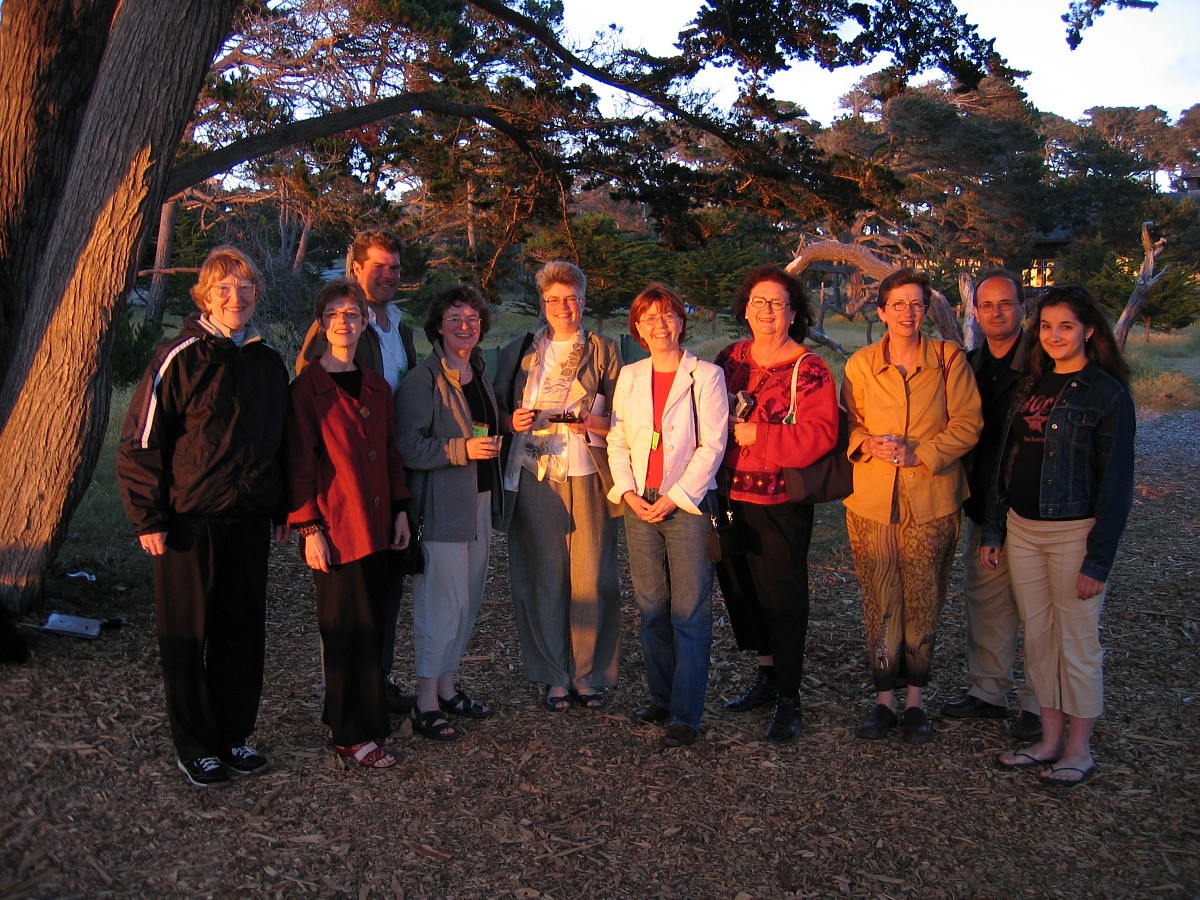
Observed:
{"x":673,"y":580}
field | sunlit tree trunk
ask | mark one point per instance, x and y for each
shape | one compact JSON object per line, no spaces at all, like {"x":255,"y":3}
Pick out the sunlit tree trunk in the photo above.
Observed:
{"x":93,"y":99}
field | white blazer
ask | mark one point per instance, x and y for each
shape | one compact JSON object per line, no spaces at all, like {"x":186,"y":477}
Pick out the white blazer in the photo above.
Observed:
{"x":689,"y":464}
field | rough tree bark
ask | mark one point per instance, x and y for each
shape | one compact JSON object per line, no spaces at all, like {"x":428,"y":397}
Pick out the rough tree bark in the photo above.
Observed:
{"x":1146,"y":280}
{"x":93,"y":99}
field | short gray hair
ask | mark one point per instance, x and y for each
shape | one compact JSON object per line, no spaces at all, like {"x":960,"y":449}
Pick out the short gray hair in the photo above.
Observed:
{"x":559,"y":272}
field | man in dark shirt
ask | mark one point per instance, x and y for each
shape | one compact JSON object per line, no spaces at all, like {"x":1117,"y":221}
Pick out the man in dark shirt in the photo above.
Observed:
{"x":992,"y":617}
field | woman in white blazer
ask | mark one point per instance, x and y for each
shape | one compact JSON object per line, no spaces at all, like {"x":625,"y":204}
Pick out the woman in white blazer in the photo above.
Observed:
{"x":669,"y":428}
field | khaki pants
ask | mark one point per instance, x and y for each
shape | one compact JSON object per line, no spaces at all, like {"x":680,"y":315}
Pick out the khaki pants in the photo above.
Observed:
{"x":1063,"y":658}
{"x":993,"y":623}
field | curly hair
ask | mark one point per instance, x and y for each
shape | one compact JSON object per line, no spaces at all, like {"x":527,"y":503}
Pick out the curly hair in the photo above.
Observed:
{"x":797,"y":298}
{"x":456,"y":295}
{"x":1101,"y":348}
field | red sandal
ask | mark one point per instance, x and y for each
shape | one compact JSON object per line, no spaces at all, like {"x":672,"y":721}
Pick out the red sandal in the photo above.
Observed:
{"x":368,"y":754}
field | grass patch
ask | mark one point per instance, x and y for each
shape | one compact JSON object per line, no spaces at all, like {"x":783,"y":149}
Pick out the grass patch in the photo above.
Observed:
{"x":100,"y":539}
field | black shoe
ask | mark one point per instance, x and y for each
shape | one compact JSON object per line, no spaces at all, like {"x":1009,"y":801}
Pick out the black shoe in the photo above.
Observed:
{"x":652,"y":714}
{"x":971,"y":707}
{"x":762,"y":692}
{"x":398,"y":702}
{"x":243,"y":760}
{"x":915,"y":726}
{"x":876,"y":726}
{"x":787,"y":721}
{"x":680,"y":735}
{"x":205,"y":772}
{"x":1026,"y":727}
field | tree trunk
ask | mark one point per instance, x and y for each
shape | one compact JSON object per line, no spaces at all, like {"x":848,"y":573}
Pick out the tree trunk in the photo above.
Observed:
{"x":156,"y":303}
{"x":972,"y":334}
{"x":1146,"y":280}
{"x":302,"y":246}
{"x":107,"y":163}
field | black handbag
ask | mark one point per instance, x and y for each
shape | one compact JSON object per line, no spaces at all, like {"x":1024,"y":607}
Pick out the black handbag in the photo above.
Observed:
{"x":411,"y":560}
{"x":829,"y":478}
{"x":724,"y":537}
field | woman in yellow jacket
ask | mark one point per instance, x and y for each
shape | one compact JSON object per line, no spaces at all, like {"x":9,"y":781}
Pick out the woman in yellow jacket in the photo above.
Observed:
{"x":914,"y":412}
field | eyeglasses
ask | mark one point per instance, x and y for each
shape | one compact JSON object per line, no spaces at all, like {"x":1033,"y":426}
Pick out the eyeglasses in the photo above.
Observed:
{"x":472,"y":322}
{"x":664,"y":319}
{"x":562,"y":301}
{"x":224,"y":290}
{"x":988,"y":307}
{"x":761,"y":302}
{"x":899,"y":306}
{"x":349,"y":316}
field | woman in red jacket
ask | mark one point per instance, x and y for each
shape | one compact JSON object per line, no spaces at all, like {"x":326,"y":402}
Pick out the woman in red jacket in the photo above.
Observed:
{"x":348,"y":502}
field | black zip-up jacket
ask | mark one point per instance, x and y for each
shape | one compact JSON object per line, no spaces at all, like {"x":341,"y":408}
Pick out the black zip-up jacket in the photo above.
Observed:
{"x":203,"y":436}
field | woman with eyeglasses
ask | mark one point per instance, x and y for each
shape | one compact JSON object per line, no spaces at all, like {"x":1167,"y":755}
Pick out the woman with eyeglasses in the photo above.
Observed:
{"x":783,"y":414}
{"x":349,"y":498}
{"x":448,"y":431}
{"x":555,"y":390}
{"x":200,"y":478}
{"x":913,"y":411}
{"x":670,"y":422}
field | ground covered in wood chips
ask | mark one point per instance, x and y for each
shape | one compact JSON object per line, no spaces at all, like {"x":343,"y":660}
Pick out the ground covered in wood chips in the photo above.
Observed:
{"x":530,"y":804}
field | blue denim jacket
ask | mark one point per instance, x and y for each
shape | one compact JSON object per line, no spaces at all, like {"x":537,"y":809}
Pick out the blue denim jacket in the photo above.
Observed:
{"x":1087,"y":466}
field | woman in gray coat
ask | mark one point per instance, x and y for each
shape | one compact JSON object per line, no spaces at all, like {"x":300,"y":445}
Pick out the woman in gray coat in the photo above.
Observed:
{"x":555,"y":390}
{"x":447,"y":430}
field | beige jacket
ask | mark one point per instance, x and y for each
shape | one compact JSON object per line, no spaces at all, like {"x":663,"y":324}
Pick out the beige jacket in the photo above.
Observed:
{"x":936,"y":407}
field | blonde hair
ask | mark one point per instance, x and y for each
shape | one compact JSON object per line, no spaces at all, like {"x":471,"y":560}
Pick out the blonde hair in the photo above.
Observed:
{"x":219,"y":263}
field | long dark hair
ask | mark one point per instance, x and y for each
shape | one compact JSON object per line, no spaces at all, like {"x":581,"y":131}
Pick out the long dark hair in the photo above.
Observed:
{"x":1101,"y":348}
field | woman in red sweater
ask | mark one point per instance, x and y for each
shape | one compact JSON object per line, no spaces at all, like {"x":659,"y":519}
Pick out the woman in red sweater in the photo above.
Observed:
{"x":348,"y":502}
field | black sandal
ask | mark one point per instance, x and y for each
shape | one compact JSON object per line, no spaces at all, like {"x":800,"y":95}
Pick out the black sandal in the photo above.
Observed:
{"x":432,"y":725}
{"x":462,"y":705}
{"x":593,"y":700}
{"x":557,"y":702}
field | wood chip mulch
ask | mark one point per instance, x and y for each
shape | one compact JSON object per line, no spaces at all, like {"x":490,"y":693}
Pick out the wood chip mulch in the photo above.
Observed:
{"x":530,"y":804}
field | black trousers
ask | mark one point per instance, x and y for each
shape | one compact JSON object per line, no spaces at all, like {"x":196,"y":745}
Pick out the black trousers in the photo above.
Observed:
{"x":766,"y":588}
{"x":351,"y":610}
{"x":210,"y":598}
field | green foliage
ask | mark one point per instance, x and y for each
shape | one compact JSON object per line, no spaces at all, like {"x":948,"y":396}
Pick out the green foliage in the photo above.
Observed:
{"x":133,"y":345}
{"x":1174,"y":301}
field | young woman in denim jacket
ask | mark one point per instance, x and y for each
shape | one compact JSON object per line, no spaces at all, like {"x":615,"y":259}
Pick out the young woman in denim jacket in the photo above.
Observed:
{"x":1062,"y":495}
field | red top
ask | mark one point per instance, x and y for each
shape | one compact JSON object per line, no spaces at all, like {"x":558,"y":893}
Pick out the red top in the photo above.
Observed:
{"x":754,"y":474}
{"x":343,"y":466}
{"x":660,"y":388}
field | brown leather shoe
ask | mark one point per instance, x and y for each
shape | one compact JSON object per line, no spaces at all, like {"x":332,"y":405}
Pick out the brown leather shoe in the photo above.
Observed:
{"x":1026,"y":727}
{"x":680,"y":735}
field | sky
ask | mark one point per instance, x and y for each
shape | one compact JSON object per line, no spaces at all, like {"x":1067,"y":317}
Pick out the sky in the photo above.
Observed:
{"x":1129,"y":57}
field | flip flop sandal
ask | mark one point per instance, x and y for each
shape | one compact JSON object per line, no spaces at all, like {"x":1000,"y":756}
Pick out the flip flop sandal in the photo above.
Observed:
{"x":432,"y":725}
{"x":1026,"y":761}
{"x":1058,"y":783}
{"x":462,"y":705}
{"x":557,"y":703}
{"x":368,"y":755}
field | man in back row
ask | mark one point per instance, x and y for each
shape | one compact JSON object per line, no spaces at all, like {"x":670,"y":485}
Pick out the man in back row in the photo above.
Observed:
{"x":386,"y":347}
{"x":992,"y":617}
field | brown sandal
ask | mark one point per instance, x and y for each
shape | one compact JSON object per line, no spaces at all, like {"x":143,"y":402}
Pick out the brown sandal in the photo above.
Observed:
{"x":368,"y":754}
